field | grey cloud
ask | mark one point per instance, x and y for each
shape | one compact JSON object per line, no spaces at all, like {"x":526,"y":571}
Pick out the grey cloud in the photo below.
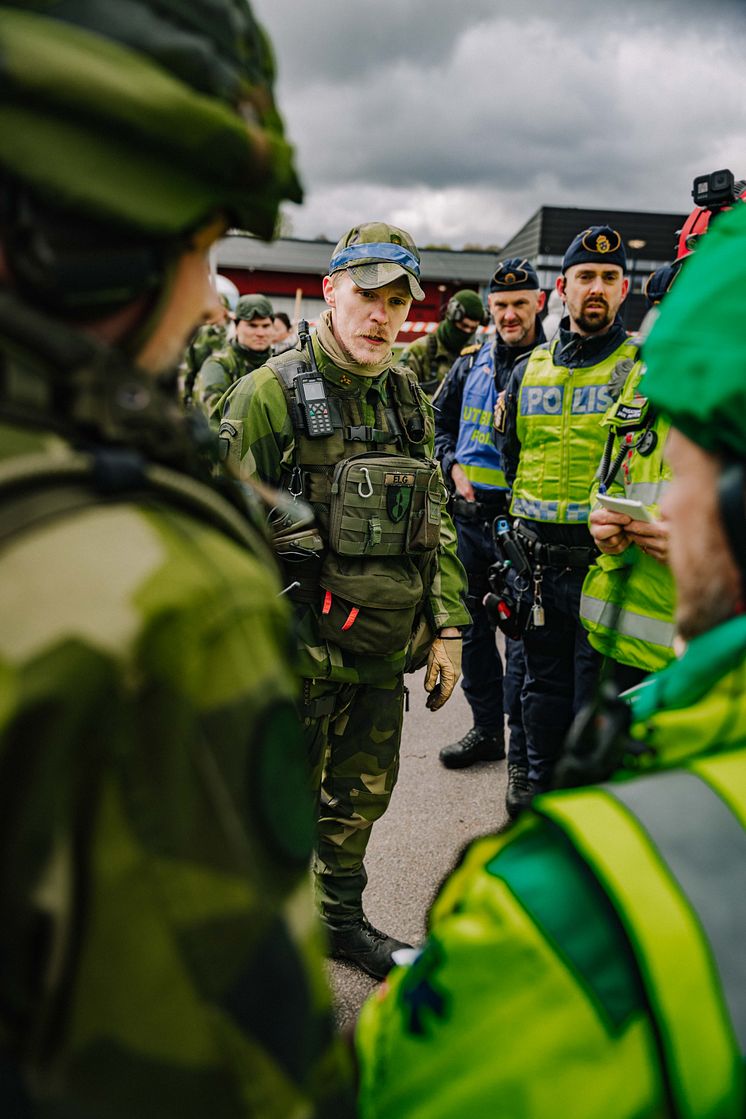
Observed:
{"x":517,"y":111}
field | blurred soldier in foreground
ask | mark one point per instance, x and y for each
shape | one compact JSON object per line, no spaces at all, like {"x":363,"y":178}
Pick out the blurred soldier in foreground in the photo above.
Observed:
{"x":589,"y":961}
{"x":343,"y":426}
{"x":465,"y":443}
{"x":249,"y":348}
{"x":159,"y":954}
{"x":432,"y":356}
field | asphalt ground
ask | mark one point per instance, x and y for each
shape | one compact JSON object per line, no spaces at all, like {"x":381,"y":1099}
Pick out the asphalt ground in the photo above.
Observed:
{"x":433,"y":813}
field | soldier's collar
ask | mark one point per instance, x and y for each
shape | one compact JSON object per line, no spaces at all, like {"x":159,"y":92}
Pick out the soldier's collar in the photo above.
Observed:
{"x":348,"y":382}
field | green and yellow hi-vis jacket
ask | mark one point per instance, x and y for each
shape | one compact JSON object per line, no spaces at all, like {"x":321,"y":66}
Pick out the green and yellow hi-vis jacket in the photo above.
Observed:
{"x":559,"y":413}
{"x":260,"y":442}
{"x":159,"y":952}
{"x":589,"y":961}
{"x":628,"y":600}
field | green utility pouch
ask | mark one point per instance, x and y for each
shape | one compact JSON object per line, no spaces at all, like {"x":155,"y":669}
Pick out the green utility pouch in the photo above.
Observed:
{"x":385,"y":505}
{"x":369,"y":606}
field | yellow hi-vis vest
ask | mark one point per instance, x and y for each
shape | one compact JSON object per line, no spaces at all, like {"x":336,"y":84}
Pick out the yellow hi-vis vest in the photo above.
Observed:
{"x":670,"y":851}
{"x":628,"y":600}
{"x":590,"y":962}
{"x":559,"y":428}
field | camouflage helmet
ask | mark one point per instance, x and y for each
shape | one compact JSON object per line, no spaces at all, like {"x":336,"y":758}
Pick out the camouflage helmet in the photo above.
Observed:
{"x":153,"y":115}
{"x":251,"y":307}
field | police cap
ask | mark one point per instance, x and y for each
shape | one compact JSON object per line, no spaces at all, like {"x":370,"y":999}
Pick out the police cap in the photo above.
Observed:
{"x":599,"y":244}
{"x":515,"y":274}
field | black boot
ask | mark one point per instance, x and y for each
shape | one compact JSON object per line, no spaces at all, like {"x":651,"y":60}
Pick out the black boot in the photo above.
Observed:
{"x":477,"y":745}
{"x":519,"y":792}
{"x":365,"y":946}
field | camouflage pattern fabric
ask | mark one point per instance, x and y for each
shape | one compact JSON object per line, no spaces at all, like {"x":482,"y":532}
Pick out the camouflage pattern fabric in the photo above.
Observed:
{"x":353,"y":733}
{"x":209,"y":339}
{"x":220,"y":370}
{"x":431,"y":366}
{"x":158,"y":948}
{"x":356,"y":745}
{"x":258,"y":440}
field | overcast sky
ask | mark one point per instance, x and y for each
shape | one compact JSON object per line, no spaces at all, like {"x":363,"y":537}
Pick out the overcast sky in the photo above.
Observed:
{"x":458,"y":119}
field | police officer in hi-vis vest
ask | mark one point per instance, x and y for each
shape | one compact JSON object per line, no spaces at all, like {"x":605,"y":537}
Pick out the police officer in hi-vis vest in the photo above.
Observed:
{"x":554,"y":440}
{"x":589,"y":961}
{"x":470,"y":454}
{"x":627,"y":604}
{"x":340,"y":424}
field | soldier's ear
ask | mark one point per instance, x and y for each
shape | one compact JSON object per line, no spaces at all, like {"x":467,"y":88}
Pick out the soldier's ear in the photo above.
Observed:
{"x":328,"y":288}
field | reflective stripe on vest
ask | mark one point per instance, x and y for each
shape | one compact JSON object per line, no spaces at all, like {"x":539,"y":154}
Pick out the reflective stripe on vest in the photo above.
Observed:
{"x":485,"y":476}
{"x":649,"y":493}
{"x":672,"y":857}
{"x":626,"y":622}
{"x":547,"y":510}
{"x":475,"y":447}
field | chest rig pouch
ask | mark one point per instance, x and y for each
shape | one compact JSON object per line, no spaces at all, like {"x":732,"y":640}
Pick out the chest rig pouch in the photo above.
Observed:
{"x":379,"y":515}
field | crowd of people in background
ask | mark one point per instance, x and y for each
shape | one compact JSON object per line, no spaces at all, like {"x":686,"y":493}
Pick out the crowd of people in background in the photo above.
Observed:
{"x":210,"y":597}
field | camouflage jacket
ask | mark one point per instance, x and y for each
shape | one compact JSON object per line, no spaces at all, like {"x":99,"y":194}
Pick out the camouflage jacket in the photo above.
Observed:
{"x":429,"y":359}
{"x":259,"y":441}
{"x":160,"y":954}
{"x":220,"y":371}
{"x":207,"y":341}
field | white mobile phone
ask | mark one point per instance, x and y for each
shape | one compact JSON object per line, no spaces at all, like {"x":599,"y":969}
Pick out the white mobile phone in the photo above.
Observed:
{"x":634,"y":509}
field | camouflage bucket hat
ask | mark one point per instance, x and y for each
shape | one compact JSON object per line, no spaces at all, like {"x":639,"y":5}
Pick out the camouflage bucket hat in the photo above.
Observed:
{"x":251,"y":307}
{"x":376,"y":254}
{"x":152,"y":115}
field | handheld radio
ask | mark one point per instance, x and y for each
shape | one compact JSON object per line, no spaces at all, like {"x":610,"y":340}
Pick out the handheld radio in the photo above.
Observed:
{"x":310,"y":392}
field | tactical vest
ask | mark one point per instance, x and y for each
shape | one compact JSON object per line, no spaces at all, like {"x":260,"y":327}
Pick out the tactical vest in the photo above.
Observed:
{"x":377,"y":498}
{"x":628,"y":600}
{"x":475,"y":451}
{"x":558,"y":426}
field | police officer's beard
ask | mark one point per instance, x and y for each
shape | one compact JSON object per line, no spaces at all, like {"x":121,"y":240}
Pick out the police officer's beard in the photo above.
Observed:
{"x":598,"y":322}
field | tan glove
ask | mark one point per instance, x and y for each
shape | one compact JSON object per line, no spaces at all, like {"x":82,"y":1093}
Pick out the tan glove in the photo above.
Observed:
{"x":443,"y":670}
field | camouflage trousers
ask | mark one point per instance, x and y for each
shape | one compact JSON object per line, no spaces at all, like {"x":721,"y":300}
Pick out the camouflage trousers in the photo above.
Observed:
{"x":352,"y":734}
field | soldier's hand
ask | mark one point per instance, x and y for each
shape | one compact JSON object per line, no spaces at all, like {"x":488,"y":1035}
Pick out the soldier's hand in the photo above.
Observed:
{"x":461,"y":482}
{"x":443,"y":667}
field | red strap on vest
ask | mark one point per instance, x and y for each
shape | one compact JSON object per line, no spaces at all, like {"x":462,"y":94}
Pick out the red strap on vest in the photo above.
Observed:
{"x":351,"y":617}
{"x":326,"y":608}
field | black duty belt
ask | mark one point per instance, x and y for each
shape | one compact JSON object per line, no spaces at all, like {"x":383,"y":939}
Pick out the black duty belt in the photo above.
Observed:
{"x":556,"y":555}
{"x":478,"y":510}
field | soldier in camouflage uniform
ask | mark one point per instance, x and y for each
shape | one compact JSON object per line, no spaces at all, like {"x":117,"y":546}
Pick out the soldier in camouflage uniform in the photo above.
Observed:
{"x":208,"y":339}
{"x":249,"y":349}
{"x":385,"y":567}
{"x":432,"y":356}
{"x":159,"y":954}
